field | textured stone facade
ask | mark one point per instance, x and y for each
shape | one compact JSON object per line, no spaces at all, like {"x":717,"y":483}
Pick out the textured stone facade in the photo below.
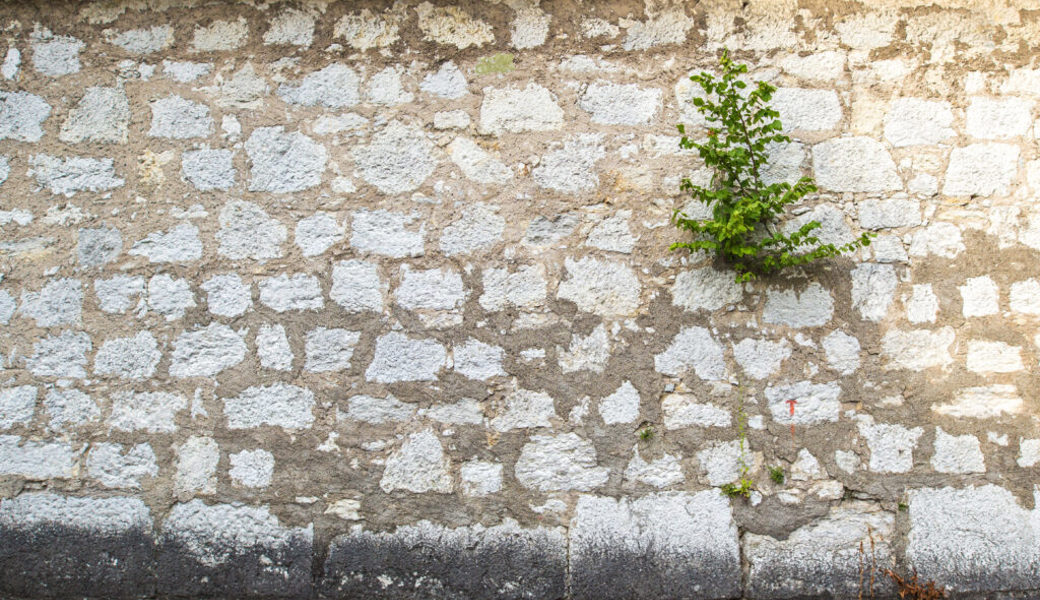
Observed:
{"x":346,"y":300}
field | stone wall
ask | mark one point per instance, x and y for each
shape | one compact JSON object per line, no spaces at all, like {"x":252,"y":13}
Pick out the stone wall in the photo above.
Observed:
{"x":375,"y":300}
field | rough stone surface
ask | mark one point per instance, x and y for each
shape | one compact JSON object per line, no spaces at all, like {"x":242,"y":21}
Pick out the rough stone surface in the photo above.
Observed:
{"x":386,"y":233}
{"x":516,"y":110}
{"x":66,"y":176}
{"x":251,"y":468}
{"x":661,"y":473}
{"x":99,"y":246}
{"x":179,"y":118}
{"x":317,"y":233}
{"x":613,"y":104}
{"x":973,"y":539}
{"x":813,"y":402}
{"x":209,"y":170}
{"x":143,"y":41}
{"x":102,"y":115}
{"x":469,"y":561}
{"x":821,"y":558}
{"x":889,"y":213}
{"x":807,"y":110}
{"x":981,"y":169}
{"x":602,"y":287}
{"x":227,"y":295}
{"x":569,"y":170}
{"x":17,"y":405}
{"x":131,"y":358}
{"x":397,"y":160}
{"x":692,"y":348}
{"x":61,"y":355}
{"x":810,"y":307}
{"x":855,"y":164}
{"x":622,"y":406}
{"x":447,"y":82}
{"x":981,"y":297}
{"x":991,"y":119}
{"x":272,"y":348}
{"x":278,"y":405}
{"x":204,"y":548}
{"x":525,"y":409}
{"x":55,"y":55}
{"x":476,"y":163}
{"x":292,"y":27}
{"x":357,"y":287}
{"x":559,"y":462}
{"x":940,"y":239}
{"x":100,"y":546}
{"x":284,"y":162}
{"x":170,"y":297}
{"x":247,"y":231}
{"x":180,"y":244}
{"x":478,"y":360}
{"x":891,"y":445}
{"x":197,"y":460}
{"x":681,"y":410}
{"x":206,"y":352}
{"x":957,"y":453}
{"x":705,"y":289}
{"x":111,"y":467}
{"x":69,"y":409}
{"x":917,"y":349}
{"x":525,"y":288}
{"x":419,"y":465}
{"x":843,"y":352}
{"x":329,"y":349}
{"x":335,"y":86}
{"x":291,"y":292}
{"x":399,"y":357}
{"x":21,"y":116}
{"x":479,"y":229}
{"x":153,"y":412}
{"x":377,"y":411}
{"x":685,"y":543}
{"x":873,"y":288}
{"x":914,"y":121}
{"x":760,"y":358}
{"x":59,"y":302}
{"x":114,"y":295}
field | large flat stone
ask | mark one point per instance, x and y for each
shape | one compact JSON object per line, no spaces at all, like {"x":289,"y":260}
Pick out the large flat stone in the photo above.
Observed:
{"x":666,"y":545}
{"x":63,"y":546}
{"x":429,"y":561}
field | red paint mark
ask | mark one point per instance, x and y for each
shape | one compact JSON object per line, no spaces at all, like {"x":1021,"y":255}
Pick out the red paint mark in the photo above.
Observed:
{"x":790,"y":405}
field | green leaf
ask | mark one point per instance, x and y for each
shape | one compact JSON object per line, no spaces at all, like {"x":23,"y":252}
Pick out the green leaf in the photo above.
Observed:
{"x":741,"y":229}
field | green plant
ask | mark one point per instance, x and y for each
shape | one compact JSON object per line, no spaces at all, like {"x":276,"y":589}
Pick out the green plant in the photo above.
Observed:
{"x":742,"y":229}
{"x":776,"y":473}
{"x":646,"y":434}
{"x":746,"y":484}
{"x":742,"y":488}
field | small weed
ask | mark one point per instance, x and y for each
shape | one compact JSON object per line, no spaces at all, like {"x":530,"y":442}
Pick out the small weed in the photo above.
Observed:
{"x":746,"y":484}
{"x":744,"y":488}
{"x":903,"y":507}
{"x":777,"y":474}
{"x":912,"y":588}
{"x":646,"y":434}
